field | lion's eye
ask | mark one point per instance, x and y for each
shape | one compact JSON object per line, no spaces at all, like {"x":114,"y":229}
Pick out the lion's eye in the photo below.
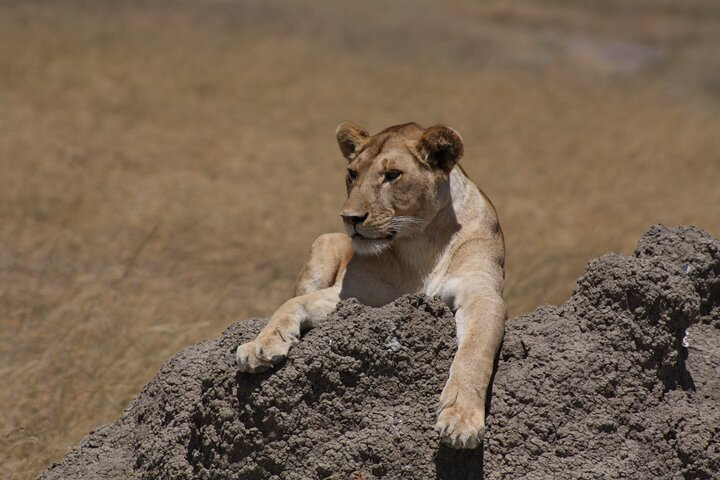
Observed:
{"x":351,"y":175}
{"x":391,"y":175}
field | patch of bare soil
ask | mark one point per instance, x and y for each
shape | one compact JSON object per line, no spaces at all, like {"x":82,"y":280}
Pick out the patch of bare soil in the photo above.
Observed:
{"x":619,"y":382}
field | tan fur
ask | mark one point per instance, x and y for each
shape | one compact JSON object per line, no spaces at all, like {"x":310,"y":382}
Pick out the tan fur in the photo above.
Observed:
{"x":415,"y":223}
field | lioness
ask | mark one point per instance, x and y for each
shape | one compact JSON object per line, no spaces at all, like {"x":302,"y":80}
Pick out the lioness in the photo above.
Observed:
{"x":415,"y":223}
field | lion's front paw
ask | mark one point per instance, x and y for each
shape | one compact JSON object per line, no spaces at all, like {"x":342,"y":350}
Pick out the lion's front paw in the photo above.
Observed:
{"x":262,"y":353}
{"x":461,"y":418}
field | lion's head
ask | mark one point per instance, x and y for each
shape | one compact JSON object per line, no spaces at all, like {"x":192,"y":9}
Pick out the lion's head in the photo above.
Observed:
{"x":397,"y":181}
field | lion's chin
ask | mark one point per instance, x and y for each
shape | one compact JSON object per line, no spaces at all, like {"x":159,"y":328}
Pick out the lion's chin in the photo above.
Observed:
{"x":370,"y":246}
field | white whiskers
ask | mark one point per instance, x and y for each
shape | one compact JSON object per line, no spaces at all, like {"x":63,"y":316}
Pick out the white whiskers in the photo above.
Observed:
{"x":365,"y":243}
{"x":408,"y":224}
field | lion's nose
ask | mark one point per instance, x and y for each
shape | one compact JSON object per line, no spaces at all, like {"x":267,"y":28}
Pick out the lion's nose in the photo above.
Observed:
{"x":353,"y":218}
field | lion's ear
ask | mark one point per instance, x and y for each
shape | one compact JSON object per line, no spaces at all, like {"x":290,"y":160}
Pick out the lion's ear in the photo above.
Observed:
{"x":441,"y":147}
{"x":350,"y":138}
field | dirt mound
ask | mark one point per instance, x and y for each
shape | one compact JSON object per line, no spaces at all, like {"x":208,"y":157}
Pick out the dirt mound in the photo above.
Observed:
{"x":600,"y":387}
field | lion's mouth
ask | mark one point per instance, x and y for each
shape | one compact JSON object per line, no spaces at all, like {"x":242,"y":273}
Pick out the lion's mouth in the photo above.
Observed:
{"x":359,"y":235}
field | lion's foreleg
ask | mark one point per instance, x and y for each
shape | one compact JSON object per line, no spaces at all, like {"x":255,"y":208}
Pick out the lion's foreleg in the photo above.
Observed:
{"x":480,"y":319}
{"x":325,"y":265}
{"x":283,"y":329}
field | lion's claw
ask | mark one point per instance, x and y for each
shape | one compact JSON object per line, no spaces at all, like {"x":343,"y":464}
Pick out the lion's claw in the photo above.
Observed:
{"x":461,"y":420}
{"x":261,"y":354}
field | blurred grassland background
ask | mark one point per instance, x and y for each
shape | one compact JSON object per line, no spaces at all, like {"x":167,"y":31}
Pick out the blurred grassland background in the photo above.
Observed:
{"x":165,"y":165}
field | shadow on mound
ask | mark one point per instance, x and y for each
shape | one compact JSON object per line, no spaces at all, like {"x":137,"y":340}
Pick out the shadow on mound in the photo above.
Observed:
{"x":601,"y":387}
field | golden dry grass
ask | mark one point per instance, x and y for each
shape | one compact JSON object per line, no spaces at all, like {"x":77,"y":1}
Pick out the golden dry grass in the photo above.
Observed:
{"x":165,"y":165}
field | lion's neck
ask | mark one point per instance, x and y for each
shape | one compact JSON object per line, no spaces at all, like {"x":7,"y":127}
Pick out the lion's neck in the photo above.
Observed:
{"x":422,"y":252}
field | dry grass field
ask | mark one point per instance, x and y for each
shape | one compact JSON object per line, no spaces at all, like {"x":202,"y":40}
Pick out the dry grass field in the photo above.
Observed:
{"x":165,"y":165}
